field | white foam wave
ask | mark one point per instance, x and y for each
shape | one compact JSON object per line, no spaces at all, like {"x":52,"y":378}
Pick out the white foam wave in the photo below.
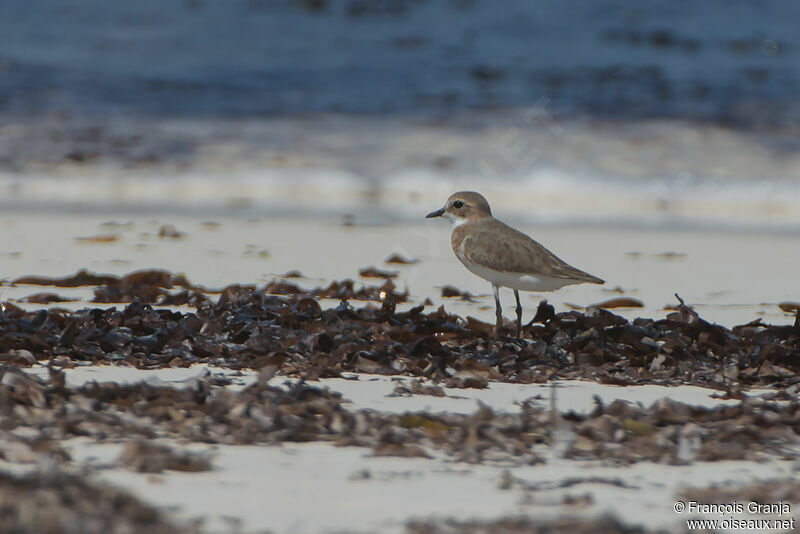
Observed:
{"x":546,"y":195}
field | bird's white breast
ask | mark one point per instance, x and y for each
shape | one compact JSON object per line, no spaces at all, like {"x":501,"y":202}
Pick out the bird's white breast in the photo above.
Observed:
{"x":523,"y":281}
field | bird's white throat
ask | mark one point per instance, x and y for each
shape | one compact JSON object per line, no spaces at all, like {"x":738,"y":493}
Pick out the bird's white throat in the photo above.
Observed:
{"x":454,"y":220}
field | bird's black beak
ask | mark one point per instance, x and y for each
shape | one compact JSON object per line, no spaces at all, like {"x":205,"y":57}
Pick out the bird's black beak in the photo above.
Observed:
{"x":437,"y":213}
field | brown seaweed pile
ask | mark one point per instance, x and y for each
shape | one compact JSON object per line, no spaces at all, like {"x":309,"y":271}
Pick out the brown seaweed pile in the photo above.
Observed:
{"x":284,"y":324}
{"x":57,"y":503}
{"x":284,"y":330}
{"x":768,"y":491}
{"x":205,"y":411}
{"x":601,"y":525}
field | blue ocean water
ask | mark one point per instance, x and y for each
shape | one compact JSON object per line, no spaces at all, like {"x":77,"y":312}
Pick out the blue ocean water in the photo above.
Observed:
{"x":735,"y":61}
{"x":656,"y":112}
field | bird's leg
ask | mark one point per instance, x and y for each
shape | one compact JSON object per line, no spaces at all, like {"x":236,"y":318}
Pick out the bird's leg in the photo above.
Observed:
{"x":519,"y":315}
{"x":498,"y":311}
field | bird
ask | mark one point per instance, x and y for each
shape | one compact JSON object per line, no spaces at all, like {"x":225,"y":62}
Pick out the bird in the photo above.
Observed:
{"x":503,"y":255}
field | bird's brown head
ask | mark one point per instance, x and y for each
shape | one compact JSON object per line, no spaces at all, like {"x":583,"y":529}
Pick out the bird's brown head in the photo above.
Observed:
{"x":462,"y":207}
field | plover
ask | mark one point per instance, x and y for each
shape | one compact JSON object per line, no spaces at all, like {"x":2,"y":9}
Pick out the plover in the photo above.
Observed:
{"x":502,"y":255}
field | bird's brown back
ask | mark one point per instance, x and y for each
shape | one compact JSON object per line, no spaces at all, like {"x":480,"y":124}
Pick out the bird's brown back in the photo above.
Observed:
{"x":495,"y":245}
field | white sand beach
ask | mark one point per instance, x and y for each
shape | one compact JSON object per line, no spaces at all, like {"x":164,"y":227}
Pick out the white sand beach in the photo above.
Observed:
{"x":729,"y":278}
{"x":317,"y":487}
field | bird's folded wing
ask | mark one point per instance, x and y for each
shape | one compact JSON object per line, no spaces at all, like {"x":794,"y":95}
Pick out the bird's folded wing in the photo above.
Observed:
{"x":517,"y":253}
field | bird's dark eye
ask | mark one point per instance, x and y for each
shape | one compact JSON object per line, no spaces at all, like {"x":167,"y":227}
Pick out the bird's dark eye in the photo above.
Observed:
{"x":458,"y":204}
